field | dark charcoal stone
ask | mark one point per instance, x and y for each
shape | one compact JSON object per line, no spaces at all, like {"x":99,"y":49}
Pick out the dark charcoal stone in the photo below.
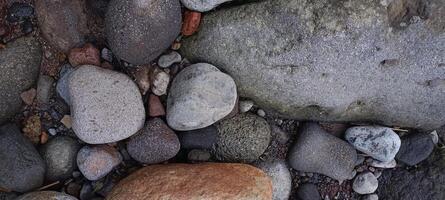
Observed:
{"x":415,"y":148}
{"x":19,"y":12}
{"x":308,"y":192}
{"x":203,"y":138}
{"x":21,"y":167}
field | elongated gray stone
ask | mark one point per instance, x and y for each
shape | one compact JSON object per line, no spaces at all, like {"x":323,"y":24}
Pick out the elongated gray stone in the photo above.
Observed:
{"x":332,"y":60}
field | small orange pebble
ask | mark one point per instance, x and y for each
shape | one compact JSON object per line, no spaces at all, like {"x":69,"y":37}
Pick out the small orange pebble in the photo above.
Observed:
{"x":191,"y":22}
{"x":43,"y":138}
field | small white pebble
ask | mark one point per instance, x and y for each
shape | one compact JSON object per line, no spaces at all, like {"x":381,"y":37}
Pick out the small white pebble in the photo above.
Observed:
{"x":434,"y":137}
{"x":261,"y":113}
{"x":371,"y":197}
{"x":384,"y":165}
{"x":52,"y":131}
{"x":160,"y":83}
{"x":245,"y":106}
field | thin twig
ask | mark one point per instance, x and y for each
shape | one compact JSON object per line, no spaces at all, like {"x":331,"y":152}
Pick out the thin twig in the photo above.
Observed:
{"x":48,"y":186}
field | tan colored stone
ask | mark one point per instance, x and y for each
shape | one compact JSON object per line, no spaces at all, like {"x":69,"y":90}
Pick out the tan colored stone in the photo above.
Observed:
{"x":66,"y":121}
{"x":216,"y":181}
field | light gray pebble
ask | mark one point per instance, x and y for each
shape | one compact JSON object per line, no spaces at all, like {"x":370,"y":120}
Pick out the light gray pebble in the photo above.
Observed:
{"x":167,"y":60}
{"x":365,"y":183}
{"x":245,"y":106}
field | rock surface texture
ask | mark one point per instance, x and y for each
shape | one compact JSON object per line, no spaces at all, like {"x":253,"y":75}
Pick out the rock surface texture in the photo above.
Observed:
{"x":332,"y":60}
{"x":199,"y":96}
{"x":46,"y":195}
{"x":155,"y":143}
{"x":19,"y":69}
{"x":63,"y":23}
{"x":242,"y":138}
{"x":21,"y":167}
{"x":138,"y":31}
{"x":318,"y":151}
{"x":106,"y":106}
{"x":97,"y":161}
{"x":195,"y":181}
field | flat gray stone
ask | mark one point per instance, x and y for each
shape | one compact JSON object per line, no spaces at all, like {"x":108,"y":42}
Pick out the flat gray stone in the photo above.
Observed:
{"x":320,"y":152}
{"x":332,"y":60}
{"x":381,"y":143}
{"x":415,"y":148}
{"x":59,"y":155}
{"x":308,"y":191}
{"x":106,"y":106}
{"x":21,"y":167}
{"x":155,"y":143}
{"x":199,"y":96}
{"x":138,"y":31}
{"x":242,"y":138}
{"x":19,"y":70}
{"x":62,"y":83}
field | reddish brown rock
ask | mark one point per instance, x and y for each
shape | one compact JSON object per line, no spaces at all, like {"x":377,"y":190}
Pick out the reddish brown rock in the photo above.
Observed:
{"x":63,"y":23}
{"x":28,"y":96}
{"x":87,"y":55}
{"x":191,"y":22}
{"x":155,"y":107}
{"x":214,"y":181}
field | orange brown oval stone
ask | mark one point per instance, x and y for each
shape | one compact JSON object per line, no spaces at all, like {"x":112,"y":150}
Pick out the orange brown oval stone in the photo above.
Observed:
{"x":216,"y":181}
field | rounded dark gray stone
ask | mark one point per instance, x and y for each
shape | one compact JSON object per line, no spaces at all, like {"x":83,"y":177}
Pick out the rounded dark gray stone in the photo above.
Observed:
{"x":19,"y":69}
{"x":60,"y":155}
{"x":415,"y":148}
{"x":138,"y":31}
{"x":203,"y":138}
{"x":308,"y":191}
{"x":21,"y":167}
{"x":155,"y":143}
{"x":46,"y":195}
{"x":320,"y":152}
{"x":242,"y":138}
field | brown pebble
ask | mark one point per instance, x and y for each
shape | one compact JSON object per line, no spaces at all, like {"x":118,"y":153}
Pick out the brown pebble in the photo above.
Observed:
{"x":191,"y":22}
{"x":28,"y":96}
{"x":156,"y":108}
{"x":43,"y":138}
{"x":87,"y":55}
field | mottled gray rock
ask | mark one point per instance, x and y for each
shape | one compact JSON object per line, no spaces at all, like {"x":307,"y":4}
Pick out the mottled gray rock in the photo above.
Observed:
{"x":381,"y":143}
{"x":415,"y":148}
{"x":44,"y":89}
{"x":59,"y":155}
{"x":19,"y":69}
{"x":203,"y":138}
{"x":63,"y":23}
{"x":62,"y":83}
{"x":308,"y":191}
{"x":199,"y":96}
{"x":427,"y":181}
{"x":95,"y":162}
{"x":202,"y":5}
{"x":106,"y":106}
{"x":365,"y":183}
{"x":318,"y":151}
{"x":332,"y":60}
{"x":138,"y":31}
{"x":281,"y":178}
{"x":168,"y":59}
{"x":46,"y":195}
{"x":21,"y":167}
{"x":242,"y":138}
{"x":155,"y":143}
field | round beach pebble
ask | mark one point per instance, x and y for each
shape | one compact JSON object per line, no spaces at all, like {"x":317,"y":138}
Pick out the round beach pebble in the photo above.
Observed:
{"x":155,"y":143}
{"x":194,"y":181}
{"x":381,"y":143}
{"x":242,"y":138}
{"x":46,"y":195}
{"x":138,"y":31}
{"x":60,"y":154}
{"x":106,"y":106}
{"x":21,"y":167}
{"x":281,"y":178}
{"x":365,"y":183}
{"x":199,"y":96}
{"x":95,"y":162}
